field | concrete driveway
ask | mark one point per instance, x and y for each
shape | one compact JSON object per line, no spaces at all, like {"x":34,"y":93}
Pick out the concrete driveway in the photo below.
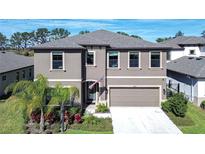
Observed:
{"x":151,"y":120}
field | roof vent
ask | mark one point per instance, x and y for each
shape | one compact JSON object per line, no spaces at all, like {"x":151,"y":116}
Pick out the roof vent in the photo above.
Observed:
{"x":191,"y":58}
{"x":199,"y":58}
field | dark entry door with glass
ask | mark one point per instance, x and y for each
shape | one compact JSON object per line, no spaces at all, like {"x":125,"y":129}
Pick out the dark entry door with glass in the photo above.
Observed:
{"x":91,"y":92}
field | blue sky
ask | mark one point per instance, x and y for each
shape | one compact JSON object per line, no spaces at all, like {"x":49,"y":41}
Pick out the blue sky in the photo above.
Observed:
{"x":147,"y":29}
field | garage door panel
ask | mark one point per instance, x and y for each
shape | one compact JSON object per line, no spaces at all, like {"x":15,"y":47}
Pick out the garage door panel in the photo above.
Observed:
{"x":134,"y":96}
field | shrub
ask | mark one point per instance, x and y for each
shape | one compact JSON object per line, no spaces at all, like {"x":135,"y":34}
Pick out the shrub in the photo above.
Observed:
{"x":36,"y":116}
{"x":202,"y":105}
{"x":77,"y":118}
{"x":178,"y":104}
{"x":166,"y":106}
{"x":90,"y":119}
{"x":101,"y":108}
{"x":74,"y":110}
{"x":55,"y":128}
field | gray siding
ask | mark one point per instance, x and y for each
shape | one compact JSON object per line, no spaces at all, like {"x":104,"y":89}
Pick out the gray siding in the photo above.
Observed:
{"x":11,"y":77}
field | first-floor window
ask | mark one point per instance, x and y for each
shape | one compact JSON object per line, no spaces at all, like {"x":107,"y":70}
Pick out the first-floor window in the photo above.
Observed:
{"x":133,"y":59}
{"x":90,"y":58}
{"x":3,"y":77}
{"x":17,"y":76}
{"x":30,"y":72}
{"x":113,"y":59}
{"x":57,"y":60}
{"x":23,"y":74}
{"x":155,"y":59}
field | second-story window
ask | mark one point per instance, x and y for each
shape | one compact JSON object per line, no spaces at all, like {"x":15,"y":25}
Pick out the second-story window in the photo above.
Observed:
{"x":113,"y":59}
{"x":133,"y":59}
{"x":192,"y":52}
{"x":90,"y":58}
{"x":155,"y":59}
{"x":57,"y":60}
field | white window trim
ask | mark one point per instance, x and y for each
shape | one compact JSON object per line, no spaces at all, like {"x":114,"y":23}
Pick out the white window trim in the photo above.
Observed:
{"x":94,"y":57}
{"x":160,"y":59}
{"x":118,"y":60}
{"x":51,"y":61}
{"x":139,"y":60}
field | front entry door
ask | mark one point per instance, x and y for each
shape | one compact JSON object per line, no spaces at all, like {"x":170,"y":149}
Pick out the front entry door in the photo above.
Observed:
{"x":91,"y":92}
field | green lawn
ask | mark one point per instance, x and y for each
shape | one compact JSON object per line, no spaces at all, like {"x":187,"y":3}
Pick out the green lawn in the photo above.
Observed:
{"x":11,"y":117}
{"x":193,"y":122}
{"x":73,"y":131}
{"x":94,"y":126}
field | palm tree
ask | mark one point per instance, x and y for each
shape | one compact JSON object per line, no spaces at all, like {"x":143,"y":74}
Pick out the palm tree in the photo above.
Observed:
{"x":34,"y":93}
{"x":61,"y":96}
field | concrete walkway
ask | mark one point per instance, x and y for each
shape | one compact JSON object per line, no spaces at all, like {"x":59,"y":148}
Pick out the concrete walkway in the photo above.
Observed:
{"x":147,"y":120}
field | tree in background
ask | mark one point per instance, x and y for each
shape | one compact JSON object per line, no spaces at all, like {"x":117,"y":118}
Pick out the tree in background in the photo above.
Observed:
{"x":3,"y":41}
{"x":136,"y":36}
{"x":27,"y":39}
{"x":160,"y":39}
{"x":84,"y":32}
{"x":59,"y":33}
{"x":179,"y":33}
{"x":16,"y":40}
{"x":203,"y":33}
{"x":123,"y":33}
{"x":42,"y":35}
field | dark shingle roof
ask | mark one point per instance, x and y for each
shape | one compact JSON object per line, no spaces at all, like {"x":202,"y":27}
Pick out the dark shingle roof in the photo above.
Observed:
{"x":105,"y":38}
{"x":10,"y":61}
{"x":184,"y":40}
{"x":64,"y":43}
{"x":193,"y":66}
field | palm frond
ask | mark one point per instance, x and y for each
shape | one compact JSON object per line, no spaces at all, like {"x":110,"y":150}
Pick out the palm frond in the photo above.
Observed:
{"x":9,"y":88}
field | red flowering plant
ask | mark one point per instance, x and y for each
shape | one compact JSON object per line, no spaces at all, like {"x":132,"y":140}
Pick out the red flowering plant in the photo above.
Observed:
{"x":35,"y":116}
{"x":50,"y":118}
{"x":77,"y":118}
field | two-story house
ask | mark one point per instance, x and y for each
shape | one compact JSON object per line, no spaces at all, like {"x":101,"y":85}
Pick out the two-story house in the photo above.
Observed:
{"x":106,"y":67}
{"x":185,"y":46}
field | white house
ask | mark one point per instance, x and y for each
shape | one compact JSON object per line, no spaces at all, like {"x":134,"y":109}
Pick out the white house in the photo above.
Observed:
{"x":187,"y":75}
{"x":185,"y":46}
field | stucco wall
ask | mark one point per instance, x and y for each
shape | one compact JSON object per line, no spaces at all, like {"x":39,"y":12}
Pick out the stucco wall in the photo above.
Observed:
{"x":199,"y":51}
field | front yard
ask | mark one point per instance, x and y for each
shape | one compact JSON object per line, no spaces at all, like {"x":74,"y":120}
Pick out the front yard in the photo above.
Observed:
{"x":11,"y":118}
{"x":13,"y":121}
{"x":193,"y":122}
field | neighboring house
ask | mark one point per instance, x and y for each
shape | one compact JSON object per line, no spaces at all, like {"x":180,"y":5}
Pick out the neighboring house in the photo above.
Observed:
{"x":106,"y":67}
{"x":187,"y":75}
{"x":185,"y":46}
{"x":13,"y":68}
